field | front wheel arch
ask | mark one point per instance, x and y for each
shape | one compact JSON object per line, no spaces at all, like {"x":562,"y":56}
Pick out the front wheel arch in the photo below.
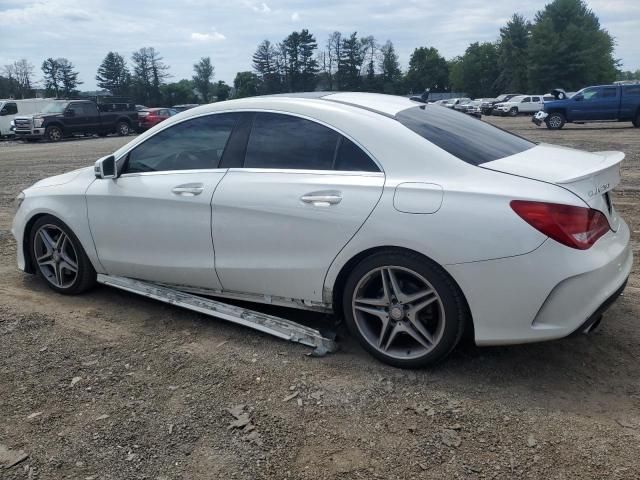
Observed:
{"x":347,"y":268}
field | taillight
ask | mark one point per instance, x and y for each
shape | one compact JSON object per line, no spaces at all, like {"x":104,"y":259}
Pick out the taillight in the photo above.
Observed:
{"x":575,"y":227}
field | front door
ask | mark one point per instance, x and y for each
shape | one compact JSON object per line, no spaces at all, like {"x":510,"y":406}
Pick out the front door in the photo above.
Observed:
{"x":278,"y":222}
{"x":154,"y":221}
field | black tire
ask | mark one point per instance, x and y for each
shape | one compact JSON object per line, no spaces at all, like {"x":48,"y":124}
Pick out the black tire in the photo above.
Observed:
{"x":85,"y":278}
{"x":53,"y":133}
{"x":513,"y":112}
{"x":555,"y":121}
{"x":452,"y":301}
{"x":102,"y":134}
{"x":31,"y":140}
{"x":123,"y":129}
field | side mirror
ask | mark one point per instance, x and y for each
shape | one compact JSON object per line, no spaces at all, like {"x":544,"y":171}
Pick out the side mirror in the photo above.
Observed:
{"x":3,"y":112}
{"x":106,"y":167}
{"x":69,"y":112}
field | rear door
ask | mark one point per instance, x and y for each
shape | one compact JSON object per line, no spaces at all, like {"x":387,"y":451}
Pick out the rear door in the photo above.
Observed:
{"x":281,"y":218}
{"x":154,"y":221}
{"x":92,"y":117}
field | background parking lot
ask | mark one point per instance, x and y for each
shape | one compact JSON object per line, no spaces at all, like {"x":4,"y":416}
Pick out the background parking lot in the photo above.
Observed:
{"x":109,"y":385}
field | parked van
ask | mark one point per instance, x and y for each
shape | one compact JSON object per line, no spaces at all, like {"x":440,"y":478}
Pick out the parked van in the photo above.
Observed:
{"x":10,"y":108}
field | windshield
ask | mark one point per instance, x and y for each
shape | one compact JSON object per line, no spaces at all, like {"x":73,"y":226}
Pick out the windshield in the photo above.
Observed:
{"x":55,"y":107}
{"x":471,"y":140}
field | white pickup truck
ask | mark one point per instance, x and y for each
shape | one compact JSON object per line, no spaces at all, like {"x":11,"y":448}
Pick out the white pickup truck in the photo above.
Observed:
{"x":528,"y":104}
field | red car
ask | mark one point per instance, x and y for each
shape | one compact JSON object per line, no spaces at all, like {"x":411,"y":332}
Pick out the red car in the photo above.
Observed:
{"x":150,"y":117}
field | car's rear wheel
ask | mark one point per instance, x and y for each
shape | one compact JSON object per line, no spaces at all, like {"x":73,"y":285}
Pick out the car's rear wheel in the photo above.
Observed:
{"x":123,"y":129}
{"x":403,"y":309}
{"x":53,"y":133}
{"x":555,"y":121}
{"x":59,"y":257}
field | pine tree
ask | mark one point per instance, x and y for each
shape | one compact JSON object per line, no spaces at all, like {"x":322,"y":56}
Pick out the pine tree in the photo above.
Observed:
{"x":149,"y":74}
{"x":390,"y":69}
{"x":113,"y":74}
{"x":267,"y":67}
{"x":298,"y":53}
{"x":203,"y":78}
{"x":50,"y":68}
{"x":512,"y":59}
{"x":350,"y":63}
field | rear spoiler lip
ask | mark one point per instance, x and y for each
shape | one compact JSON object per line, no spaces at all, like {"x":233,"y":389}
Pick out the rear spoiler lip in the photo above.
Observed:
{"x":611,"y":158}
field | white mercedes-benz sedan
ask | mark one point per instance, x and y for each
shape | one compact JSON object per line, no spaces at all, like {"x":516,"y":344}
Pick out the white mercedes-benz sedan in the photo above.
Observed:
{"x":413,"y":222}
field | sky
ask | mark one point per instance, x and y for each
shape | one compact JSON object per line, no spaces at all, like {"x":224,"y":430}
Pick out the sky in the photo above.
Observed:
{"x":183,"y":31}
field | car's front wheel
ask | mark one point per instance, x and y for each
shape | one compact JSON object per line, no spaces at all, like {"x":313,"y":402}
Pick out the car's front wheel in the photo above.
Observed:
{"x":123,"y":129}
{"x":53,"y":133}
{"x":59,"y":257}
{"x":513,"y":112}
{"x":555,"y":121}
{"x":403,"y":309}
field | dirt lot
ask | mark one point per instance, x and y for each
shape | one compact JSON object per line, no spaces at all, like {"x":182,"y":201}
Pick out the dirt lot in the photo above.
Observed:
{"x":112,"y":386}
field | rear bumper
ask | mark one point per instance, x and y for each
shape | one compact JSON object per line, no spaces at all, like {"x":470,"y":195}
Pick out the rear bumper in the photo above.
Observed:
{"x":546,"y":294}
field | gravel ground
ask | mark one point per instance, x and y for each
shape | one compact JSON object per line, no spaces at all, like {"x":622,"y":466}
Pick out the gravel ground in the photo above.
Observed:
{"x":109,"y":385}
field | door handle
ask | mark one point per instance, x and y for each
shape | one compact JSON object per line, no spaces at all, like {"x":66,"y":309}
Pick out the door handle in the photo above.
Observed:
{"x":322,"y":199}
{"x":188,"y":189}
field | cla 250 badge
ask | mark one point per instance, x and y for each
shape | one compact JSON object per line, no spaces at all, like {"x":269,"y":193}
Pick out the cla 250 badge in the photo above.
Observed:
{"x":602,"y":188}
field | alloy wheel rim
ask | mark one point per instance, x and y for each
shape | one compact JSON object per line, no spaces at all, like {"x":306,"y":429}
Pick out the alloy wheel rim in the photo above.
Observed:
{"x":56,"y":256}
{"x":398,"y":312}
{"x":554,"y":122}
{"x":124,"y":129}
{"x":55,"y":134}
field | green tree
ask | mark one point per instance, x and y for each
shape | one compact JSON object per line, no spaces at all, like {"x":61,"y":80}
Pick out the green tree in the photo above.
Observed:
{"x":222,"y":91}
{"x":512,"y":55}
{"x":203,"y":78}
{"x":267,"y":66}
{"x":298,"y":53}
{"x":568,"y":48}
{"x":478,"y":70}
{"x":177,"y":93}
{"x":390,"y":69}
{"x":247,"y":84}
{"x":352,"y":54}
{"x":427,"y":69}
{"x":149,"y":74}
{"x":113,"y":74}
{"x":50,"y":69}
{"x":628,"y":75}
{"x":67,"y":77}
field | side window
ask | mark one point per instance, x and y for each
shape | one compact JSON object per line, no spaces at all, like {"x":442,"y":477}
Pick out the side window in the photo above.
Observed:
{"x":77,"y":109}
{"x":591,"y":93}
{"x":285,"y":141}
{"x":609,"y":92}
{"x":193,"y":144}
{"x":526,"y":100}
{"x":632,"y":90}
{"x":351,"y":158}
{"x":535,"y":99}
{"x":90,"y":109}
{"x":10,"y":109}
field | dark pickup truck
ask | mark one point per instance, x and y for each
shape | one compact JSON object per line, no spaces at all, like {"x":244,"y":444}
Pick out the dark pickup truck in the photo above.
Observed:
{"x":65,"y":118}
{"x":604,"y":103}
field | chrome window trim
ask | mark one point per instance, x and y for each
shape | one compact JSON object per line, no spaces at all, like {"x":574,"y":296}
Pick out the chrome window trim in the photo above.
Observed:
{"x":352,"y":173}
{"x":174,"y":172}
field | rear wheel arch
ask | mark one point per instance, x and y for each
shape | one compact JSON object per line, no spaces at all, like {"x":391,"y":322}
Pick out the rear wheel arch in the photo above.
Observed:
{"x":347,"y":268}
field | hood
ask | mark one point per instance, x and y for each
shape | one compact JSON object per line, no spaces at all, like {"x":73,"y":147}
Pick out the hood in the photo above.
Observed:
{"x":64,"y":178}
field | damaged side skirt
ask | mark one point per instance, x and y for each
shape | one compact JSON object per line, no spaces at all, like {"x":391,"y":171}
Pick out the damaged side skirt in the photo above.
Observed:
{"x":276,"y":326}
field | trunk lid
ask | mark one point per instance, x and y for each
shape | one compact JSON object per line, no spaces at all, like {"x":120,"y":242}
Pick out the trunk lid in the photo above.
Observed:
{"x":591,"y":176}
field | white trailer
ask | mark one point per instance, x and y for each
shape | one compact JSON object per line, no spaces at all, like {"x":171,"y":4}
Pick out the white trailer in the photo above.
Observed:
{"x":9,"y":109}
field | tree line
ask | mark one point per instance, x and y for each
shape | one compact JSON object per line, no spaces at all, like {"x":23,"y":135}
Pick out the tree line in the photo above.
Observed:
{"x":563,"y":46}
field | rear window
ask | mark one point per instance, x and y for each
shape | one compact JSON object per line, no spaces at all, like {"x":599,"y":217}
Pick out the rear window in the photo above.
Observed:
{"x":468,"y":138}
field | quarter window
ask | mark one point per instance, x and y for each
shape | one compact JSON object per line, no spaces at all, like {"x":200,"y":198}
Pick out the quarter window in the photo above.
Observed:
{"x":193,"y":144}
{"x":352,"y":158}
